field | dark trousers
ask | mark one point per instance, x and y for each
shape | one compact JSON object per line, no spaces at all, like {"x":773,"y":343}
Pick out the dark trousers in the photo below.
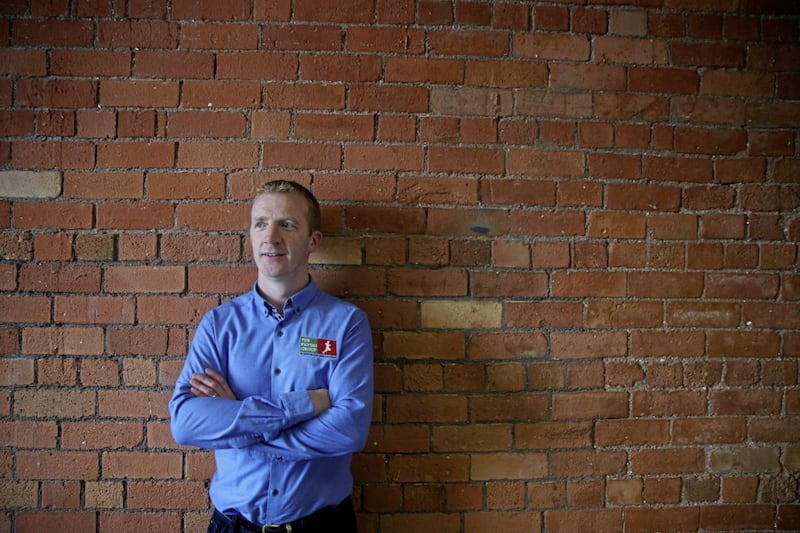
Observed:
{"x":339,"y":518}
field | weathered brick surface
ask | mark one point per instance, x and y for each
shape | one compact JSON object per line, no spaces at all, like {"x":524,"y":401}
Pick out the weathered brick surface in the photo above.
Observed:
{"x":574,"y":226}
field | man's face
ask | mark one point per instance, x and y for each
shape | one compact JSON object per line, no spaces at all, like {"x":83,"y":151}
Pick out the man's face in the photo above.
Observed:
{"x":282,"y":239}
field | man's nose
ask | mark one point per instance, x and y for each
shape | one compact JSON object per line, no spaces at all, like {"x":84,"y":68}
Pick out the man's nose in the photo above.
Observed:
{"x":272,"y":233}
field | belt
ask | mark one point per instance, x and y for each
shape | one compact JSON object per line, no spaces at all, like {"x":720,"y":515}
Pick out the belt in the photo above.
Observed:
{"x":308,"y":523}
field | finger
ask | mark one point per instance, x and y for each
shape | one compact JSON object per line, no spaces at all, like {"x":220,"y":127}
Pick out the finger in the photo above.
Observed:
{"x":202,"y":386}
{"x":216,"y":377}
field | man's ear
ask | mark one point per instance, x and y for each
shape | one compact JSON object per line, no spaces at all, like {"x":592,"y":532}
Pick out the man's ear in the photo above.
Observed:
{"x":314,"y":241}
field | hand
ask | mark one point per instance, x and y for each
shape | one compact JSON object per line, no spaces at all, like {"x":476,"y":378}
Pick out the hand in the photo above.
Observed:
{"x":211,"y":385}
{"x":321,"y":400}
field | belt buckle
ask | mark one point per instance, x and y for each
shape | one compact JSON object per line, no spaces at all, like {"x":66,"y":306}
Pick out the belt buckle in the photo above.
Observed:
{"x":269,"y":528}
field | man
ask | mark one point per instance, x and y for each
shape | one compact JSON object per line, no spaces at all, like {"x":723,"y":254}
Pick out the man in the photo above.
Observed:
{"x":278,"y":382}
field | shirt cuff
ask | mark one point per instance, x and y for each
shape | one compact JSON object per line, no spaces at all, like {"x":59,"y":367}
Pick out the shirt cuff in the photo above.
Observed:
{"x":298,"y":407}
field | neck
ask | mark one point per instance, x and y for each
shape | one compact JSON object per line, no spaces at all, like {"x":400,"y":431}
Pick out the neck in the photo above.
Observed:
{"x":276,"y":293}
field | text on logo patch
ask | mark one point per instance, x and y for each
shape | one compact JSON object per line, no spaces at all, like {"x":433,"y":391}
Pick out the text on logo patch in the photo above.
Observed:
{"x":312,"y":345}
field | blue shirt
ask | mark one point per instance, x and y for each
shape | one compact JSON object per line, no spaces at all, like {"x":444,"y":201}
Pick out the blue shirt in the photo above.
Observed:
{"x":276,"y":461}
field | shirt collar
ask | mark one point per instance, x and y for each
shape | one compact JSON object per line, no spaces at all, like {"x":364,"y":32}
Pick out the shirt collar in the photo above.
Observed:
{"x":295,"y":304}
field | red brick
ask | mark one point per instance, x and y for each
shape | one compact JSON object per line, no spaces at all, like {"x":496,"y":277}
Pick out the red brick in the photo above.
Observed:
{"x":63,"y":340}
{"x":469,"y":42}
{"x":717,"y":141}
{"x":630,"y":197}
{"x":132,"y":403}
{"x":134,"y":215}
{"x":389,"y":98}
{"x":505,"y":74}
{"x":583,"y":520}
{"x":739,"y":286}
{"x":508,"y":284}
{"x":100,"y":435}
{"x":665,"y":285}
{"x":423,"y":345}
{"x":583,"y":284}
{"x":23,"y":62}
{"x":213,"y":154}
{"x":130,"y":522}
{"x":212,"y":124}
{"x":28,"y":434}
{"x":294,"y":37}
{"x":301,"y":156}
{"x":52,"y":154}
{"x":362,"y":157}
{"x":472,"y":14}
{"x":518,"y":192}
{"x":333,"y":127}
{"x":493,"y":346}
{"x":213,"y":217}
{"x":94,"y":310}
{"x":144,"y":279}
{"x":553,"y":46}
{"x":254,"y":66}
{"x":663,"y":344}
{"x":221,"y":280}
{"x":167,"y":495}
{"x":483,"y":437}
{"x":172,"y":310}
{"x":59,"y":278}
{"x":508,"y":466}
{"x":721,"y":517}
{"x":540,"y":314}
{"x":668,"y":519}
{"x":57,"y":465}
{"x":677,"y":169}
{"x":396,"y":128}
{"x":744,"y":402}
{"x":78,"y":521}
{"x":572,"y":406}
{"x":423,"y":190}
{"x":135,"y":154}
{"x":546,"y":163}
{"x":136,"y":34}
{"x":24,"y":309}
{"x":210,"y":36}
{"x":708,"y":54}
{"x":139,"y":465}
{"x":214,"y":94}
{"x":414,"y":69}
{"x":139,"y":93}
{"x":352,"y":68}
{"x":617,"y":225}
{"x":668,"y":461}
{"x":549,"y":435}
{"x":587,"y":76}
{"x":611,"y":314}
{"x":503,"y":521}
{"x":547,"y":223}
{"x":631,"y":432}
{"x":677,"y":403}
{"x":359,"y":11}
{"x":105,"y":185}
{"x":386,"y":39}
{"x":449,"y":282}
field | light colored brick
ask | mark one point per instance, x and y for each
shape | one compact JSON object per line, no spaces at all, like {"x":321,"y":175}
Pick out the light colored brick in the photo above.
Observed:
{"x":455,"y":314}
{"x":30,"y":184}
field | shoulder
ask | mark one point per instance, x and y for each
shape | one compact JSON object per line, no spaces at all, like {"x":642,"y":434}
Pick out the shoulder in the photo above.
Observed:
{"x":231,"y":307}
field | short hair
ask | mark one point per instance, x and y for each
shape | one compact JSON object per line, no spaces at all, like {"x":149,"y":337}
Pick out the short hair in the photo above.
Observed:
{"x":287,"y":186}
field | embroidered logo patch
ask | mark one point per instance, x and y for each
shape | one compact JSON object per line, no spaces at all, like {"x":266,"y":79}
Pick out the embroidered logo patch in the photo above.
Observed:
{"x":314,"y":346}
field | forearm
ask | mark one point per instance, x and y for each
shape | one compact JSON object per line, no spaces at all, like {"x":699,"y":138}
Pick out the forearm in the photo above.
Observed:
{"x":217,"y":423}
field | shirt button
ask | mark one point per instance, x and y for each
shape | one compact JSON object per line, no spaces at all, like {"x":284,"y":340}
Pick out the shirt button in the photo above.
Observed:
{"x":277,"y":371}
{"x":274,"y":492}
{"x":280,"y":333}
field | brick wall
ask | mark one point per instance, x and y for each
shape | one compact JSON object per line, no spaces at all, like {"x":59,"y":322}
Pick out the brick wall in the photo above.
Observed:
{"x":574,"y":225}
